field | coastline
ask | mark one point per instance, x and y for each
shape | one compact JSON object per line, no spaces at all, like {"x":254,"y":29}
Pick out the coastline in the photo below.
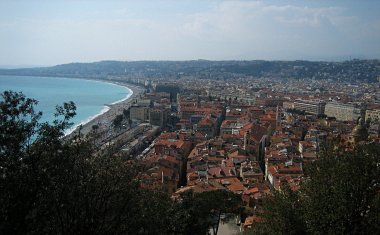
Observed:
{"x":107,"y":114}
{"x":104,"y":119}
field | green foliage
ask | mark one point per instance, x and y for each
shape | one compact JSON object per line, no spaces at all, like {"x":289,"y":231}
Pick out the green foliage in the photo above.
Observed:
{"x":53,"y":186}
{"x":196,"y":212}
{"x":126,"y":113}
{"x":341,"y":196}
{"x":50,"y":186}
{"x":283,"y":214}
{"x":118,"y":120}
{"x":341,"y":190}
{"x":18,"y":123}
{"x":218,"y":70}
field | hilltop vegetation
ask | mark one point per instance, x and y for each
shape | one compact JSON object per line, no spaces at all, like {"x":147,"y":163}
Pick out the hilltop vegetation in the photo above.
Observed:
{"x":341,"y":196}
{"x":366,"y":70}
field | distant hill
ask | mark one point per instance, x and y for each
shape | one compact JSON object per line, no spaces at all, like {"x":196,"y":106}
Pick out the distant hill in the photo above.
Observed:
{"x":365,"y":70}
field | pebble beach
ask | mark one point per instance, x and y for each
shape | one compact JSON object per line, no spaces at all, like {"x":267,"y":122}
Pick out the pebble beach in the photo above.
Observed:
{"x":104,"y":120}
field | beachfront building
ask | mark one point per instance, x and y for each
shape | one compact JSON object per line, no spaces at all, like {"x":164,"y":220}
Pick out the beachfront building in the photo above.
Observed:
{"x":140,"y":113}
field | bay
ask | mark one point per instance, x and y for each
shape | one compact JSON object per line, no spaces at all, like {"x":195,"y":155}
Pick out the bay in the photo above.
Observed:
{"x":91,"y":97}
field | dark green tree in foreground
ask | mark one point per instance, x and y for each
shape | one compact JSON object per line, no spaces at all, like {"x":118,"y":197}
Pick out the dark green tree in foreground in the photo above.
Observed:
{"x":282,"y":215}
{"x":196,"y":212}
{"x":49,"y":185}
{"x":341,"y":196}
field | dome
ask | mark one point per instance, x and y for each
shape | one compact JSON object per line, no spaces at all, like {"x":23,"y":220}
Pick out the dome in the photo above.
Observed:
{"x":359,"y":132}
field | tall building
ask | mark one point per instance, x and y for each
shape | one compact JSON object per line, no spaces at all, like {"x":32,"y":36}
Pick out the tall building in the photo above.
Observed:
{"x":139,"y":113}
{"x":343,"y":112}
{"x":374,"y":115}
{"x":158,"y":117}
{"x":173,"y":89}
{"x":310,"y":106}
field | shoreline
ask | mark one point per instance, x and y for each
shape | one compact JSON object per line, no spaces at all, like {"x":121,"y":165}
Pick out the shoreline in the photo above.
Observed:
{"x":104,"y":119}
{"x":109,"y":111}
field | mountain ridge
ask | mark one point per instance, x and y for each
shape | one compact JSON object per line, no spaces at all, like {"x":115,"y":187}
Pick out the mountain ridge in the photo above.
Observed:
{"x":365,"y":70}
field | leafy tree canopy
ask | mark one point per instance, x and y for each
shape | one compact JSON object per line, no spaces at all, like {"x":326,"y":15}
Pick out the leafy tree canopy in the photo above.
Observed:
{"x":341,"y":196}
{"x":53,"y":186}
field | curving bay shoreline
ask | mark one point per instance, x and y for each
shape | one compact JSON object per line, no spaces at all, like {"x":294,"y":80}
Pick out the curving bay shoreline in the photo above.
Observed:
{"x":104,"y":120}
{"x":43,"y":89}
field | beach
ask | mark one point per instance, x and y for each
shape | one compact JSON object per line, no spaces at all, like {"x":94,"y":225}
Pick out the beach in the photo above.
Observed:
{"x":98,"y":101}
{"x":105,"y":119}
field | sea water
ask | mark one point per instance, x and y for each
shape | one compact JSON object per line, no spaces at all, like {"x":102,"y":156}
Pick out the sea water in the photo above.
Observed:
{"x":90,"y":97}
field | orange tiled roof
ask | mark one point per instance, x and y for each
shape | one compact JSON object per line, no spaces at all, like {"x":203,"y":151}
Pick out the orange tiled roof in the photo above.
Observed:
{"x":251,"y":190}
{"x":171,"y":143}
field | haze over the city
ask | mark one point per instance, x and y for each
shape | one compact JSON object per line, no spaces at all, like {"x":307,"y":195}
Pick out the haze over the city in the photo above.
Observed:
{"x":55,"y":32}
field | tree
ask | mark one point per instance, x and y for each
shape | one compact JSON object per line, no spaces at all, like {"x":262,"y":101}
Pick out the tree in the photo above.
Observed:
{"x":196,"y":212}
{"x":24,"y":145}
{"x":340,"y":196}
{"x":18,"y":123}
{"x":282,"y":215}
{"x":95,"y":127}
{"x":118,"y":120}
{"x":51,"y":186}
{"x":126,"y":113}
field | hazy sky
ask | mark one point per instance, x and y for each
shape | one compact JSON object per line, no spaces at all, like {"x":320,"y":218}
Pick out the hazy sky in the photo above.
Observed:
{"x":48,"y":32}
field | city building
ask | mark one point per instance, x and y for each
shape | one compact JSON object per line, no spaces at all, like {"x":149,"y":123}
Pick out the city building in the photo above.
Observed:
{"x":158,"y":117}
{"x":374,"y":115}
{"x":316,"y":107}
{"x":140,"y":113}
{"x":343,"y":112}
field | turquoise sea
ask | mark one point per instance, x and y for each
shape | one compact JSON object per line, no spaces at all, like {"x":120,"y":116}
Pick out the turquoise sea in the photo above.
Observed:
{"x":90,"y":97}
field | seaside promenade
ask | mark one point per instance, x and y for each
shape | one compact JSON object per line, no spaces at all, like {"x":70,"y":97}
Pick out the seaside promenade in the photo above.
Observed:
{"x":104,"y":121}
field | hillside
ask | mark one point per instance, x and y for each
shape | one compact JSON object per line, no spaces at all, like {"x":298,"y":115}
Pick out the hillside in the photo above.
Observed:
{"x":363,"y":70}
